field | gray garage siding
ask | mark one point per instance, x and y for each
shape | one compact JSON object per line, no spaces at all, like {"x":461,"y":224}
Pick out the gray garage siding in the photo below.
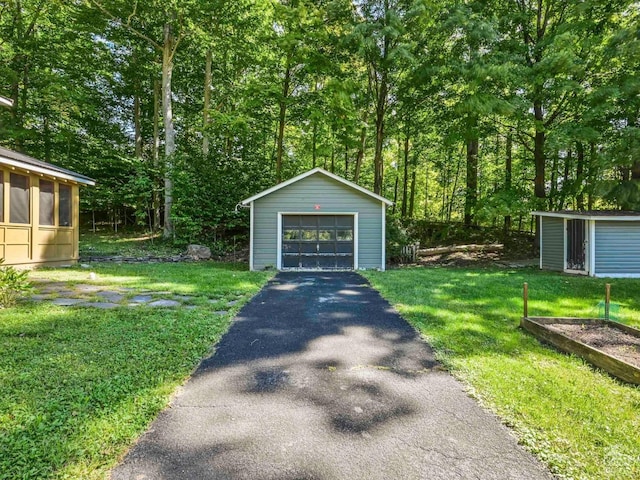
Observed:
{"x":617,"y":248}
{"x":552,"y":238}
{"x":301,"y":197}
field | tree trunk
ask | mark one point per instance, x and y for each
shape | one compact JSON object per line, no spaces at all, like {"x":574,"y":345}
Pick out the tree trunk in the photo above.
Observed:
{"x":169,"y":132}
{"x":471,"y":195}
{"x":538,"y":151}
{"x":412,"y":192}
{"x":282,"y":118}
{"x":346,"y":159}
{"x":381,"y":106}
{"x":591,"y":175}
{"x":508,"y":168}
{"x":156,"y":154}
{"x":426,"y":189}
{"x":206,"y":103}
{"x":453,"y":190}
{"x":137,"y":126}
{"x":554,"y":180}
{"x":579,"y":176}
{"x":360,"y":154}
{"x":314,"y":144}
{"x":405,"y":182}
{"x":46,"y":131}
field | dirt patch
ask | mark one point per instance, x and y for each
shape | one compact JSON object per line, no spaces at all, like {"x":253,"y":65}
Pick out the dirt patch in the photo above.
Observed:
{"x":612,"y":341}
{"x":477,"y":259}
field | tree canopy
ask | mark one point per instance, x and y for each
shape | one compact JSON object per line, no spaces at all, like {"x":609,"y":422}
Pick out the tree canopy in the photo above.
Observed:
{"x":472,"y":111}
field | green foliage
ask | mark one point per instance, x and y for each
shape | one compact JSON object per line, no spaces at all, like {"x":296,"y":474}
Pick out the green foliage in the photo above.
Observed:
{"x":397,"y":237}
{"x":397,"y":89}
{"x":581,"y":422}
{"x":13,"y":284}
{"x":79,"y":386}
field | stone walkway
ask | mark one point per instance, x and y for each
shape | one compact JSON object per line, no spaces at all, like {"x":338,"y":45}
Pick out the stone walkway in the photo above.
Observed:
{"x":65,"y":294}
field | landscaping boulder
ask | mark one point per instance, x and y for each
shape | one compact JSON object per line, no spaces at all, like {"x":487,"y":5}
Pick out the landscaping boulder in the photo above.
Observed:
{"x":198,"y":252}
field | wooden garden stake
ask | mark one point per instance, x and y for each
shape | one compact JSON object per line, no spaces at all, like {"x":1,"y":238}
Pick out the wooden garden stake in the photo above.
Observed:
{"x":525,"y":296}
{"x":607,"y":300}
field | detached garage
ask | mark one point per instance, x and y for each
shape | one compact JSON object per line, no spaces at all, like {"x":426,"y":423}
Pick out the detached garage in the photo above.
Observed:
{"x":317,"y":221}
{"x":39,"y":211}
{"x":595,"y":243}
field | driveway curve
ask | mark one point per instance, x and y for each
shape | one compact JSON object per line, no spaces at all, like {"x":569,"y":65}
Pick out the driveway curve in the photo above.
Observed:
{"x":320,"y":378}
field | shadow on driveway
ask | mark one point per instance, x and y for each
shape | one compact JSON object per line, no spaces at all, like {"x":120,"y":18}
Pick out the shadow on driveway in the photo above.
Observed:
{"x":319,"y":378}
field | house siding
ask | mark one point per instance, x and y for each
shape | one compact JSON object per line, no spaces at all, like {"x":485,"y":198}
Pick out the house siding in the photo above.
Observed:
{"x":552,"y":237}
{"x":31,"y":244}
{"x":617,"y":248}
{"x":302,"y":197}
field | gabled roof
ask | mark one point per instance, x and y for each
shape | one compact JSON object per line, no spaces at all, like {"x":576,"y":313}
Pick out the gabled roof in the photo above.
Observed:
{"x":337,"y":178}
{"x":6,"y":102}
{"x":25,"y":162}
{"x":609,"y":215}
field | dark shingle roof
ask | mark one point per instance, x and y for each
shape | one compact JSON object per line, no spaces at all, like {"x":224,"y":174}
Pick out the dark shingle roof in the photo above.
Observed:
{"x":49,"y":168}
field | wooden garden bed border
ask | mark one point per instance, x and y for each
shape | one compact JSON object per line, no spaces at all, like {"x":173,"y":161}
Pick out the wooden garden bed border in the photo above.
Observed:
{"x":616,"y":367}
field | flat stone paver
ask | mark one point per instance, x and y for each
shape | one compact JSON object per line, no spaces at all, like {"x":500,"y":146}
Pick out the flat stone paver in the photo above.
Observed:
{"x":142,"y":298}
{"x":164,"y":303}
{"x":102,"y":305}
{"x":67,"y":302}
{"x":320,"y":378}
{"x":110,"y":296}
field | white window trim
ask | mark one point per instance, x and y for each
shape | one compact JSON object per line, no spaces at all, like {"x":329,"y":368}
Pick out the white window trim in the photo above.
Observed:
{"x":251,"y":229}
{"x":586,"y":260}
{"x":540,"y":236}
{"x":592,"y":248}
{"x":356,"y":237}
{"x":383,"y":260}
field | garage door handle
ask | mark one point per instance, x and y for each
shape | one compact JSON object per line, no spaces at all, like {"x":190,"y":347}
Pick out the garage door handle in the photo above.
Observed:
{"x":317,"y":247}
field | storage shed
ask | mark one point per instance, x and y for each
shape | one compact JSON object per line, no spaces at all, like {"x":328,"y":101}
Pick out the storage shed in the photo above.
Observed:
{"x":317,"y":221}
{"x":596,"y":243}
{"x":39,"y":211}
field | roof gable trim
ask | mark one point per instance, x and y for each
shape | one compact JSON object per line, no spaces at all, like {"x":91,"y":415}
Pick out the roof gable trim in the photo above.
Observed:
{"x":574,"y":216}
{"x":30,"y":164}
{"x":304,"y":175}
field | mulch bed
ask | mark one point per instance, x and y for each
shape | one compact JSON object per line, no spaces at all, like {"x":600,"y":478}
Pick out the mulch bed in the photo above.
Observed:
{"x":610,"y":340}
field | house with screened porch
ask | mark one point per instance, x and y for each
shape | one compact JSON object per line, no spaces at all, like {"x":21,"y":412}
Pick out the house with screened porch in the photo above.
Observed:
{"x":39,"y":211}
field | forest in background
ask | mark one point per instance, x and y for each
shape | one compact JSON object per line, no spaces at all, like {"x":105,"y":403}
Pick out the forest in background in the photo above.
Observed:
{"x":475,"y":112}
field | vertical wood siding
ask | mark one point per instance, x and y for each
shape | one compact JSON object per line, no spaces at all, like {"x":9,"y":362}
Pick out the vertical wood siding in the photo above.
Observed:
{"x":617,"y":248}
{"x":552,"y":237}
{"x":32,"y":244}
{"x":302,"y":197}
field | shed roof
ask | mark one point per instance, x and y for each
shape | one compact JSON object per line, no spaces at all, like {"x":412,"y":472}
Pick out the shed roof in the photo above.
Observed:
{"x":308,"y":174}
{"x":20,"y":160}
{"x":610,"y":215}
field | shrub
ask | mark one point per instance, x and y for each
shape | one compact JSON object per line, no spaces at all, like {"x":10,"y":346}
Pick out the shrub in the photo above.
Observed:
{"x":13,"y":283}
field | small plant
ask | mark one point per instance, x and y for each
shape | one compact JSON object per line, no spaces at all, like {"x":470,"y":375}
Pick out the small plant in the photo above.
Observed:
{"x":13,"y":283}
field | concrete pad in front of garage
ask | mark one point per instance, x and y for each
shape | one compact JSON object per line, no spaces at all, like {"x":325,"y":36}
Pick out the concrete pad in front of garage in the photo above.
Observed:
{"x":320,"y":378}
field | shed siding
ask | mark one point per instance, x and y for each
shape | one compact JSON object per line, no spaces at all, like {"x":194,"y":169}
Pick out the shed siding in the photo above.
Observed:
{"x":617,"y":248}
{"x":301,"y":197}
{"x":552,"y":237}
{"x":32,"y":244}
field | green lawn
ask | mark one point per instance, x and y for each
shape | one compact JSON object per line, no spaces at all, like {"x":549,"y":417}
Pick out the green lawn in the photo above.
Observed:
{"x":78,"y":385}
{"x":580,"y":421}
{"x":126,"y":244}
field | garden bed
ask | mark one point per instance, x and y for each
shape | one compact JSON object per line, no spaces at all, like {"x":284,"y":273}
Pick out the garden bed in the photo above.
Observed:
{"x":612,"y":346}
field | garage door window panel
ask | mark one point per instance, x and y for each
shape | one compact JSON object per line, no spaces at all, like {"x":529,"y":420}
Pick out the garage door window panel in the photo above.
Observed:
{"x":309,"y":221}
{"x":344,"y":262}
{"x":344,"y":235}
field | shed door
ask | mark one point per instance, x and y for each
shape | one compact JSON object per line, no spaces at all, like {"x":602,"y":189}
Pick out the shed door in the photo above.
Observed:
{"x":317,"y":242}
{"x":576,"y":244}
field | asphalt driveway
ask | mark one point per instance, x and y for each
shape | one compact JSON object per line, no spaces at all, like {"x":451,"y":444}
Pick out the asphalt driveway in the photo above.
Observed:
{"x":320,"y":378}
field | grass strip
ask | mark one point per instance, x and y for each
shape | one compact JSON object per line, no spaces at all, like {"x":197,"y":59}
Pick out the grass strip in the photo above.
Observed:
{"x":581,"y":422}
{"x":79,"y":385}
